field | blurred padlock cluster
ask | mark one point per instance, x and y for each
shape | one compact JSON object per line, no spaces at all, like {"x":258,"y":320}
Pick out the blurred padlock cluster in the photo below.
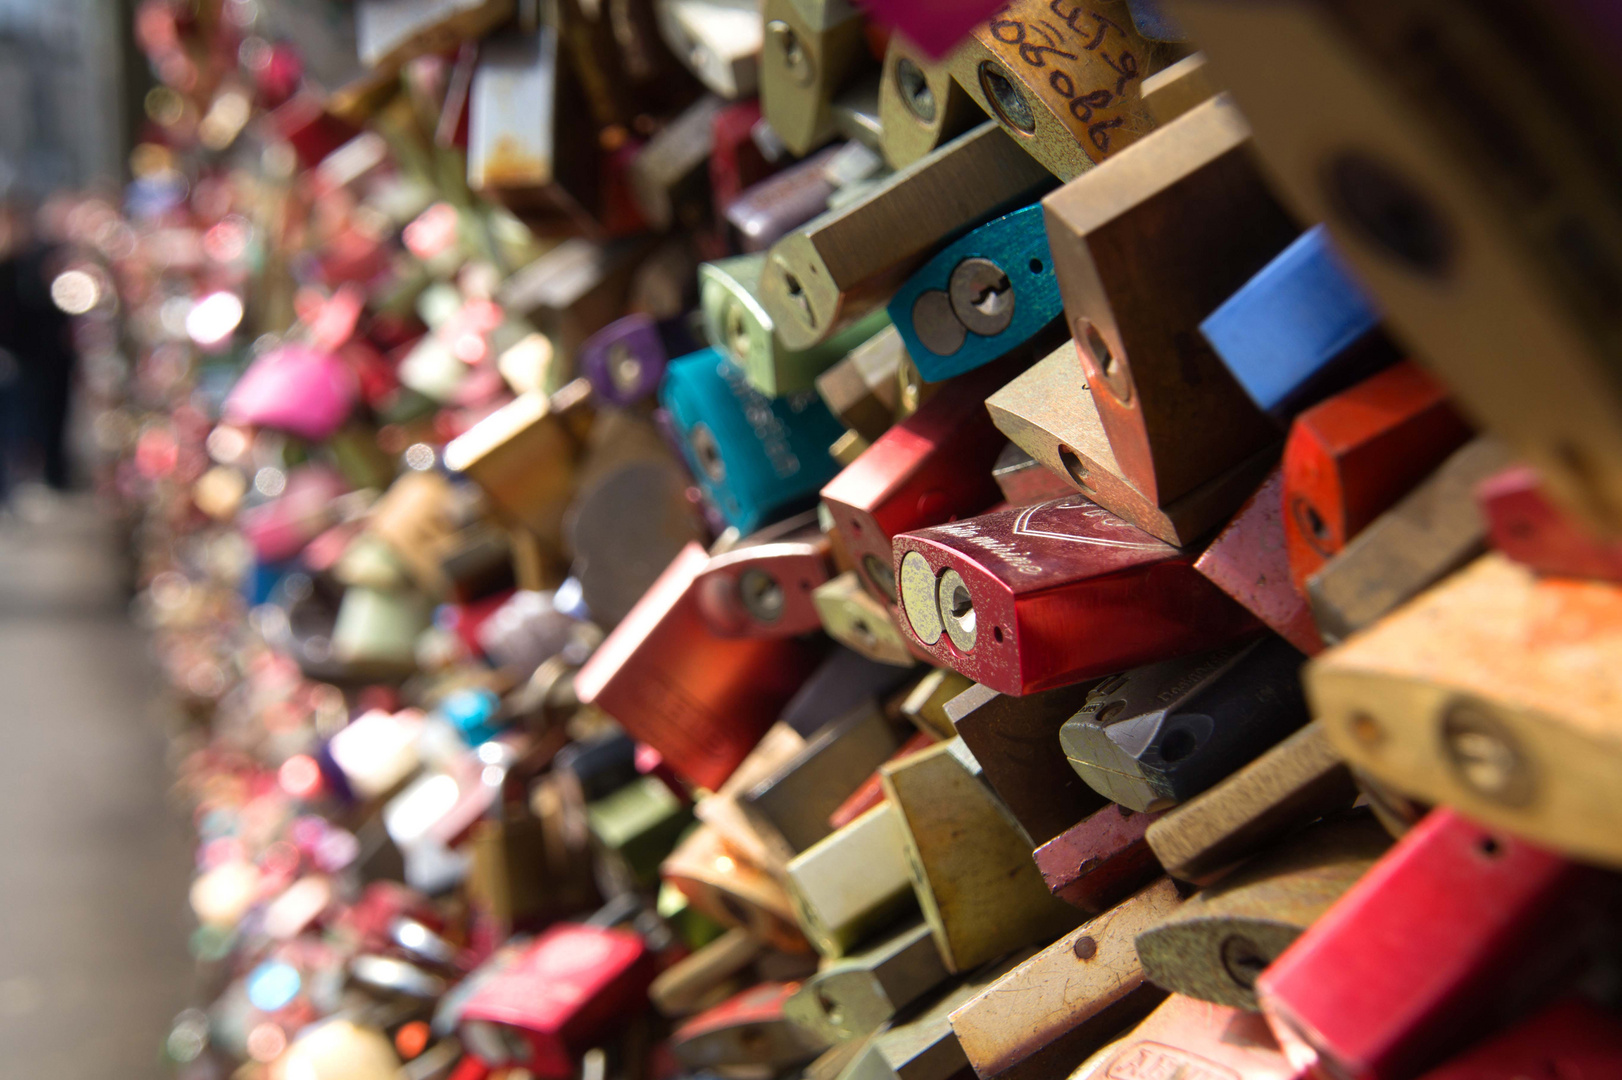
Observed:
{"x":905,"y":541}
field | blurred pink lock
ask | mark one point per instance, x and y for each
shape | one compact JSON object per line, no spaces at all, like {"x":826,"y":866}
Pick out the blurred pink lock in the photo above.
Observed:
{"x":294,"y":389}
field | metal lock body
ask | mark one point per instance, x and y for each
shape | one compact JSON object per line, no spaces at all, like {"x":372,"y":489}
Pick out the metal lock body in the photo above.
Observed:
{"x":387,"y":34}
{"x":574,"y":290}
{"x":791,"y":806}
{"x":374,"y":637}
{"x":925,"y":705}
{"x":864,"y":389}
{"x":932,"y":467}
{"x":1299,"y":330}
{"x":1048,"y":595}
{"x":861,"y":621}
{"x":1248,"y":561}
{"x":1050,"y":413}
{"x":418,"y":518}
{"x":640,"y":823}
{"x":706,"y":976}
{"x":1471,"y":253}
{"x":859,"y":994}
{"x":702,"y":701}
{"x":670,"y":174}
{"x":1432,"y":531}
{"x":721,"y":812}
{"x":1039,"y":1020}
{"x":729,"y":291}
{"x":1015,"y":740}
{"x":718,"y":40}
{"x":838,"y":267}
{"x":1158,"y":735}
{"x":562,"y":992}
{"x":1296,"y":782}
{"x":981,"y":297}
{"x":1064,"y":79}
{"x":1571,"y":1038}
{"x":1494,"y":693}
{"x":1195,"y":1039}
{"x":851,"y":883}
{"x":1350,"y":458}
{"x":1525,"y":526}
{"x":971,"y":865}
{"x":1215,"y":945}
{"x":527,"y":149}
{"x":775,"y":206}
{"x":625,"y":360}
{"x":871,"y":793}
{"x":1023,"y":480}
{"x":1360,"y":995}
{"x":1099,"y":860}
{"x":813,"y":50}
{"x":920,"y":105}
{"x":1174,"y":90}
{"x":717,"y":881}
{"x":764,"y":589}
{"x":757,"y":459}
{"x":1145,"y":248}
{"x":747,"y":1030}
{"x":845,"y":681}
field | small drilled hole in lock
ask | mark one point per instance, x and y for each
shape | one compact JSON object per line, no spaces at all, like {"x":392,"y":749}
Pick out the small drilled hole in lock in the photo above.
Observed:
{"x":1314,"y":529}
{"x":915,"y":91}
{"x":1365,"y":728}
{"x":864,"y":633}
{"x":996,"y":634}
{"x":708,"y":453}
{"x":1007,"y":101}
{"x":1036,"y":266}
{"x":1074,"y":466}
{"x":1490,"y":847}
{"x":830,"y":1008}
{"x":1177,"y":745}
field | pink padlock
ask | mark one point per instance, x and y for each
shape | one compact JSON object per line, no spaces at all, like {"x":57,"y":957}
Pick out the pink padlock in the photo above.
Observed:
{"x":294,"y":389}
{"x":280,"y":528}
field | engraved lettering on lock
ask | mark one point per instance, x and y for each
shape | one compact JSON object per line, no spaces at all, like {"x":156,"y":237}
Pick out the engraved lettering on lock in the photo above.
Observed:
{"x":1157,"y":1061}
{"x":967,"y":530}
{"x":1028,"y":525}
{"x":1093,"y":33}
{"x":767,"y":427}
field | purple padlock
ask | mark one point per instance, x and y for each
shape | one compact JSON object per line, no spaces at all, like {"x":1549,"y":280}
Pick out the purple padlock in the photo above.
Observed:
{"x":625,"y":360}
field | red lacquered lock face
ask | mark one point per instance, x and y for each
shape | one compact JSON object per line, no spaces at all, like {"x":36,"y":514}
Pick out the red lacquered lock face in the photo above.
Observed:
{"x":1527,"y":527}
{"x":1570,"y":1040}
{"x":1351,"y":457}
{"x":932,"y":467}
{"x":1100,"y":859}
{"x":1187,"y":1039}
{"x":764,"y":590}
{"x":1365,"y":995}
{"x":1047,"y":595}
{"x":701,"y":700}
{"x":547,"y":1006}
{"x":1248,"y":561}
{"x":746,"y":1029}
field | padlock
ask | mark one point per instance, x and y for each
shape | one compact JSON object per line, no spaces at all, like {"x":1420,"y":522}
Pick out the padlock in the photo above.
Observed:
{"x":1452,"y":197}
{"x":1050,"y":413}
{"x":863,"y":389}
{"x":748,"y":1030}
{"x":813,"y":50}
{"x":764,"y":589}
{"x":1067,"y":84}
{"x":573,"y":291}
{"x":718,"y":40}
{"x":640,"y":824}
{"x":1489,"y":693}
{"x":920,"y":105}
{"x":1429,"y":533}
{"x":777,"y":205}
{"x":1144,"y":250}
{"x":376,"y":752}
{"x":1350,"y":458}
{"x":838,"y":267}
{"x":702,"y":701}
{"x":280,"y":528}
{"x":1025,"y":481}
{"x":758,"y":459}
{"x":417,"y":518}
{"x":1359,"y":994}
{"x":388,"y":34}
{"x":1525,"y":526}
{"x":1249,"y":562}
{"x":925,"y":705}
{"x":1572,"y":1037}
{"x":860,"y":621}
{"x":533,"y":864}
{"x":1194,"y":1039}
{"x":1039,"y":597}
{"x":1014,"y":739}
{"x":302,"y":391}
{"x":981,"y":297}
{"x":719,"y":883}
{"x":597,"y":766}
{"x":625,"y":360}
{"x":791,"y":806}
{"x":1042,"y":1018}
{"x":561,"y":993}
{"x":860,"y":993}
{"x":1099,"y":860}
{"x":1158,"y":735}
{"x":932,"y":467}
{"x":1215,"y":945}
{"x":1296,"y":782}
{"x":705,"y":977}
{"x":1177,"y":88}
{"x":670,"y":174}
{"x":624,"y":529}
{"x":871,"y":792}
{"x":729,"y":291}
{"x":375,"y":634}
{"x":971,"y":865}
{"x":852,"y":882}
{"x":1300,"y":330}
{"x":721,"y":812}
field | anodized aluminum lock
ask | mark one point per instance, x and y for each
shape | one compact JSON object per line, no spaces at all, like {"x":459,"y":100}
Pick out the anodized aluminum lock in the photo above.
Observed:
{"x":625,"y":360}
{"x":981,"y":297}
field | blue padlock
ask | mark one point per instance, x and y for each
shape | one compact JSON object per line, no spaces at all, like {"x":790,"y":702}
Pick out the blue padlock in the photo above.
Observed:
{"x":1299,"y":330}
{"x":981,"y":297}
{"x":756,"y":458}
